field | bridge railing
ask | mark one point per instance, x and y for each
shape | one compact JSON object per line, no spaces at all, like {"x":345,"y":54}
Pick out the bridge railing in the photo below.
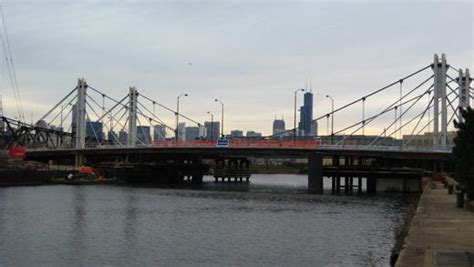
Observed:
{"x":241,"y":143}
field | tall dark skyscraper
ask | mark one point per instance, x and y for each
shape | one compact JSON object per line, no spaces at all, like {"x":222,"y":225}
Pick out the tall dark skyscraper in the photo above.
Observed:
{"x":306,"y":115}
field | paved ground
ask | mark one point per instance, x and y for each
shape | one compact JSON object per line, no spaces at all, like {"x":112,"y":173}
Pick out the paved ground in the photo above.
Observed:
{"x":440,"y":234}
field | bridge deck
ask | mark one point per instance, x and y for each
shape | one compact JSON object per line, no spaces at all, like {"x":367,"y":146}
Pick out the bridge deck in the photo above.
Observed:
{"x":214,"y":152}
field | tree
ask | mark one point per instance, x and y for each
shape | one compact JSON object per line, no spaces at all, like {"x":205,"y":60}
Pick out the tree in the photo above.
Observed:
{"x":463,"y":150}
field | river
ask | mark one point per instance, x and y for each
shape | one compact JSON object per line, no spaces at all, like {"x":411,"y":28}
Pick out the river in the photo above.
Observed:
{"x":271,"y":221}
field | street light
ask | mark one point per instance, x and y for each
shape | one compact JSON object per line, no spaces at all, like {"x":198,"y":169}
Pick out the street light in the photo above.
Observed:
{"x":177,"y":115}
{"x":212,"y":124}
{"x":294,"y":115}
{"x":332,"y":118}
{"x":222,"y":116}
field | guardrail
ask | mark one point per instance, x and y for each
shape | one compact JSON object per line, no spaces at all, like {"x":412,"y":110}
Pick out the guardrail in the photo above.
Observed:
{"x":298,"y":144}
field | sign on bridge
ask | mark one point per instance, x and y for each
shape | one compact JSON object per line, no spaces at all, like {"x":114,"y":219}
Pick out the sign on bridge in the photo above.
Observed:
{"x":222,"y":143}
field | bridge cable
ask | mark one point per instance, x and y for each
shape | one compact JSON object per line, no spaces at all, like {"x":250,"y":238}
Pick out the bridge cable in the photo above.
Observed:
{"x":393,"y":106}
{"x":390,"y":107}
{"x":93,"y":130}
{"x":401,"y":114}
{"x":61,"y":111}
{"x":57,"y":105}
{"x":158,"y":119}
{"x":430,"y":105}
{"x":10,"y":66}
{"x":360,"y":99}
{"x":171,"y":110}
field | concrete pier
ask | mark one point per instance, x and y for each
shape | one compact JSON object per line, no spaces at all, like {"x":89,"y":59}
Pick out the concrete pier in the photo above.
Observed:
{"x":315,"y":173}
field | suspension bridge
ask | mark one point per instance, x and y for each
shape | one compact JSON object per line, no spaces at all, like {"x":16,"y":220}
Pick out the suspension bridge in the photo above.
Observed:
{"x":422,"y":103}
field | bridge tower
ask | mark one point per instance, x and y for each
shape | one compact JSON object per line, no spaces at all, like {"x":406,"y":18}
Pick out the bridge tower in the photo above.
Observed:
{"x":440,"y":68}
{"x":132,"y":117}
{"x":464,"y":82}
{"x":80,"y":114}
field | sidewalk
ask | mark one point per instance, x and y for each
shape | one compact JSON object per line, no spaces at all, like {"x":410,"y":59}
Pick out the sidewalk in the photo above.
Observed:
{"x":440,"y":234}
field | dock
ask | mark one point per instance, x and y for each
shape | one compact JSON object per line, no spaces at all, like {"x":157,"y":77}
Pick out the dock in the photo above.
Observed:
{"x":440,"y":234}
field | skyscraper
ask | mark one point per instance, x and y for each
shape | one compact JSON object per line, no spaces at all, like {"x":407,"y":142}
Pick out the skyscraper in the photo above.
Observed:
{"x":159,"y":132}
{"x":278,"y":127}
{"x":212,"y":129}
{"x":143,"y":135}
{"x":306,"y":115}
{"x":94,"y":131}
{"x":195,"y":132}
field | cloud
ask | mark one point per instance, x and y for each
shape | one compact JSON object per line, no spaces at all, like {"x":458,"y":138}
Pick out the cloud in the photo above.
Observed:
{"x":252,"y":55}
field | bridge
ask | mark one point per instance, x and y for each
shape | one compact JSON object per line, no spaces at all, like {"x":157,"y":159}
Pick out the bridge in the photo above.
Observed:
{"x":422,"y":103}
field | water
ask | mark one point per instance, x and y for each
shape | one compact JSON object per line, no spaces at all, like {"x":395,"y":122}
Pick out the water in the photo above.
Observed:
{"x":271,"y":221}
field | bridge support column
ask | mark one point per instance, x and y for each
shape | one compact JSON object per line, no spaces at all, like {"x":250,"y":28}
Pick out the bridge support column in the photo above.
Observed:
{"x":439,"y":69}
{"x":80,"y":114}
{"x":132,"y":117}
{"x":197,"y":173}
{"x":315,"y":173}
{"x":78,"y":160}
{"x":464,"y":83}
{"x":371,"y":184}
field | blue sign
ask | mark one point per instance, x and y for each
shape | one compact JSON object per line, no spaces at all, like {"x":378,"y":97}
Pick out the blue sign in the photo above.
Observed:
{"x":222,"y":143}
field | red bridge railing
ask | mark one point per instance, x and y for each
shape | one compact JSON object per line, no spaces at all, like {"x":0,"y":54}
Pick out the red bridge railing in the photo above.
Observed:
{"x":240,"y":143}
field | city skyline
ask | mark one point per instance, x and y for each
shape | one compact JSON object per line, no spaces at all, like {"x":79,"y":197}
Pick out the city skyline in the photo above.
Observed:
{"x":199,"y":60}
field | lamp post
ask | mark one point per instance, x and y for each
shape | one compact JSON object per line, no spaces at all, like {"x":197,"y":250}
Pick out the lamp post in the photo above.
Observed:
{"x":294,"y":115}
{"x":332,"y":118}
{"x":177,"y":115}
{"x":212,"y":124}
{"x":222,"y":116}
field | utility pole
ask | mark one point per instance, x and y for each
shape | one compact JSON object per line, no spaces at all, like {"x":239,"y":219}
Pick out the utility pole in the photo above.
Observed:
{"x":332,"y":118}
{"x":177,"y":116}
{"x":294,"y":114}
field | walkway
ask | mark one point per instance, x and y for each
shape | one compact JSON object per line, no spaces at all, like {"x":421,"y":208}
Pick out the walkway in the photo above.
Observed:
{"x":440,"y":234}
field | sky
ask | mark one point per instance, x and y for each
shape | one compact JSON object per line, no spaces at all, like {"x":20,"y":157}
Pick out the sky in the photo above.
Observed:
{"x":252,"y":55}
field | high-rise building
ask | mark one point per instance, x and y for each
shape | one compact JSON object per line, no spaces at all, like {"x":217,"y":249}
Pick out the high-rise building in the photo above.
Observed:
{"x":123,"y":136}
{"x":278,"y":127}
{"x":314,"y":128}
{"x":159,"y":132}
{"x":236,"y":133}
{"x":195,"y":132}
{"x":253,"y":134}
{"x":143,"y":135}
{"x":212,"y":129}
{"x":112,"y":138}
{"x":306,"y":115}
{"x":182,"y":131}
{"x":94,"y":131}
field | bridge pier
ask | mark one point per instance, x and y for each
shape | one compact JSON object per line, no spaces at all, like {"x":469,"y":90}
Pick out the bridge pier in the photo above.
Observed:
{"x":78,"y":160}
{"x":315,"y":173}
{"x":371,"y":184}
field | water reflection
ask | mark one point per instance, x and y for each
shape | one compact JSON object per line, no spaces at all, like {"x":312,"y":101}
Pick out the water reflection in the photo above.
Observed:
{"x":271,"y":221}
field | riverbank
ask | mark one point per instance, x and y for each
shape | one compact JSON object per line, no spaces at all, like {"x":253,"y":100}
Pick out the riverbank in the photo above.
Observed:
{"x":440,"y":234}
